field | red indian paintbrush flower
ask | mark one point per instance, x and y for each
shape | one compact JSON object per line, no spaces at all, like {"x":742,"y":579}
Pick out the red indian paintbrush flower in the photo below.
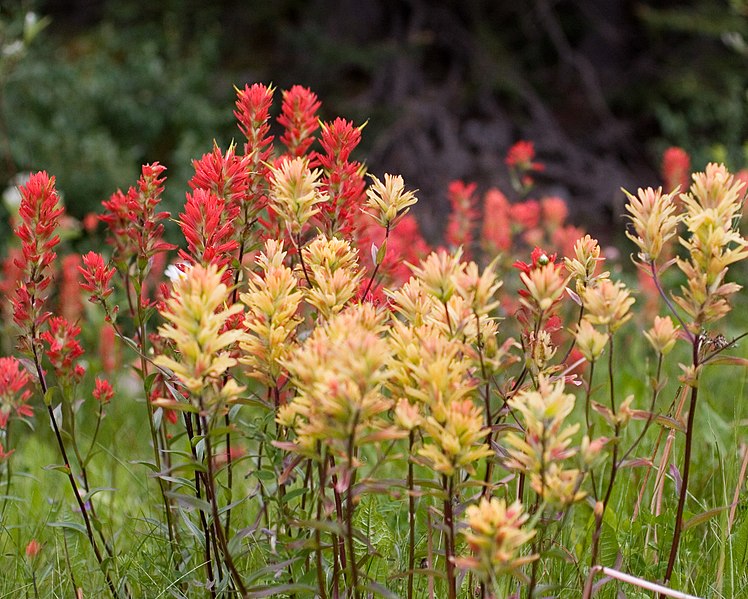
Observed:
{"x":224,"y":175}
{"x":13,"y":390}
{"x":676,"y":169}
{"x":63,"y":348}
{"x":97,"y":276}
{"x":103,"y":391}
{"x":135,"y":228}
{"x":40,"y":213}
{"x":343,"y":181}
{"x":208,"y":226}
{"x":299,"y":119}
{"x":462,"y":219}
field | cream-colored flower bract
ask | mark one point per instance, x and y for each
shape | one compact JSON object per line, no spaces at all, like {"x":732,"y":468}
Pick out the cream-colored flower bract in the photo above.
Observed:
{"x":196,"y":313}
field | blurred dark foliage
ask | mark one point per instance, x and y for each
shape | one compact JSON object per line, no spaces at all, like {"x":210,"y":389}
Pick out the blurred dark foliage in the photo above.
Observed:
{"x":600,"y":86}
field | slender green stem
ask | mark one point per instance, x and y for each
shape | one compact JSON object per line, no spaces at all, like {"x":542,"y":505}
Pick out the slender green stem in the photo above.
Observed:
{"x":686,"y":470}
{"x":411,"y":517}
{"x":449,"y":540}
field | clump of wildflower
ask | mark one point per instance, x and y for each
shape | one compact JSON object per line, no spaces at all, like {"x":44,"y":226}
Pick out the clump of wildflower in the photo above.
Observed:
{"x":196,"y":314}
{"x":272,"y":301}
{"x":653,"y":216}
{"x":63,"y":349}
{"x":14,"y":392}
{"x":607,"y":304}
{"x":712,"y":212}
{"x":545,"y":445}
{"x":497,"y":537}
{"x":333,"y":271}
{"x":295,"y":193}
{"x":299,"y":119}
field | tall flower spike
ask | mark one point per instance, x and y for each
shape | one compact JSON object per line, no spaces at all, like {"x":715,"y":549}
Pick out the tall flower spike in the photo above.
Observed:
{"x":196,"y":314}
{"x":496,"y":231}
{"x":40,"y":213}
{"x":135,"y":226}
{"x":462,"y":219}
{"x":712,"y":212}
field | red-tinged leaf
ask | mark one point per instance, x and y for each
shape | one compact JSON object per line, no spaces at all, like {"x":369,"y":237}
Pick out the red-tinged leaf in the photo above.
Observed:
{"x":289,"y":469}
{"x":287,"y":445}
{"x":573,"y":295}
{"x":728,"y":361}
{"x":384,"y":435}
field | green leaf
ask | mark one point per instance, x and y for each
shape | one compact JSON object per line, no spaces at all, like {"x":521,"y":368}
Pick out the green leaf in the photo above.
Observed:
{"x":94,"y":491}
{"x":287,"y":589}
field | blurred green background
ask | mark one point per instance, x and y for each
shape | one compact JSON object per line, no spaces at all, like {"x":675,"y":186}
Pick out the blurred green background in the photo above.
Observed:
{"x":90,"y":90}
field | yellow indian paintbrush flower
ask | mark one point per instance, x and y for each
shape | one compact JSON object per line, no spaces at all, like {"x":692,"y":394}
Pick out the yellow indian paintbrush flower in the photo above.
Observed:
{"x":332,"y":266}
{"x":712,"y":213}
{"x":653,"y":215}
{"x":272,"y":300}
{"x":196,"y":314}
{"x":607,"y":304}
{"x":497,"y":536}
{"x":295,"y":192}
{"x":388,"y":202}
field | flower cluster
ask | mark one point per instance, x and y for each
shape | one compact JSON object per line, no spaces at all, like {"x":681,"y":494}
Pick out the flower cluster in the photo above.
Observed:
{"x":497,"y":535}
